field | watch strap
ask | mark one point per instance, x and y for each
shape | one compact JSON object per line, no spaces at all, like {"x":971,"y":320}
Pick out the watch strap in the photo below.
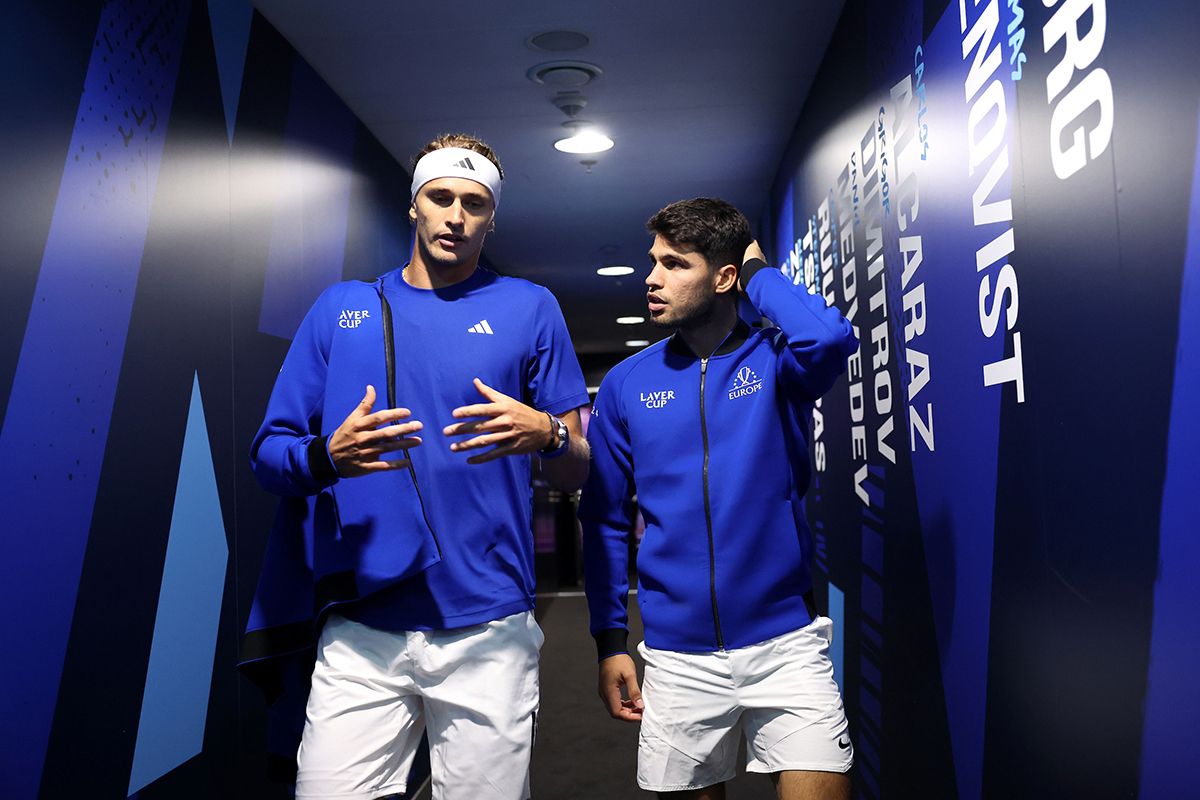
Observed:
{"x":562,"y":436}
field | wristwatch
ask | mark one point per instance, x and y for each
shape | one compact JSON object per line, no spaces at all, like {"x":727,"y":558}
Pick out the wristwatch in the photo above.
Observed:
{"x":562,"y":438}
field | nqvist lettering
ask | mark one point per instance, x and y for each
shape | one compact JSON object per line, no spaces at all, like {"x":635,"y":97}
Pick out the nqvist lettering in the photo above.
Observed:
{"x":987,"y":126}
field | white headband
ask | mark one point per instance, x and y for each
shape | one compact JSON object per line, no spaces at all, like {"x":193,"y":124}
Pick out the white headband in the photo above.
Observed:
{"x":457,"y":162}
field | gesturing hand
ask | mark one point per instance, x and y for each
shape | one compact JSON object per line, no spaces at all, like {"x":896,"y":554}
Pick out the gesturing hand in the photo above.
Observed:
{"x":618,"y":673}
{"x":358,"y":443}
{"x":513,"y":427}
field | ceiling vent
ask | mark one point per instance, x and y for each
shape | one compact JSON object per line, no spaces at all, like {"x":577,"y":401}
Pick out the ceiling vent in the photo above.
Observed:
{"x":564,"y":74}
{"x":558,"y":41}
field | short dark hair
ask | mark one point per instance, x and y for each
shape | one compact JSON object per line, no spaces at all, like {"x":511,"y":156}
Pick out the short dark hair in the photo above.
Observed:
{"x":717,"y":230}
{"x":465,"y":141}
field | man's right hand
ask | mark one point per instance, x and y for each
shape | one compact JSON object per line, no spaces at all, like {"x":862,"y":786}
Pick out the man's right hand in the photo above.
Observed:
{"x":358,"y":443}
{"x":616,"y":673}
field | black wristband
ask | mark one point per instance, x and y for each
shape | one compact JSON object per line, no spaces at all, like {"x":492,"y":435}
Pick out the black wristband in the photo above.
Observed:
{"x":611,"y":642}
{"x":319,"y":462}
{"x":750,"y":269}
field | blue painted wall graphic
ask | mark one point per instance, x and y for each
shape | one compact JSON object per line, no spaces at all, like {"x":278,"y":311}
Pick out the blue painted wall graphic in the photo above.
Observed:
{"x":231,"y":35}
{"x":175,"y":704}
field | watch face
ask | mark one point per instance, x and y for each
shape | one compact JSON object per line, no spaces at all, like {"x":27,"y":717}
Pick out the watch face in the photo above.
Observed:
{"x":561,"y":434}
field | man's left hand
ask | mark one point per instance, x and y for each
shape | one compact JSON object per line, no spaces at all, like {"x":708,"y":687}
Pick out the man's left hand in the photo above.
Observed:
{"x":513,"y":427}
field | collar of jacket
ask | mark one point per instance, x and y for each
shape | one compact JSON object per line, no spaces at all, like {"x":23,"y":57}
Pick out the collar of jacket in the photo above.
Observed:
{"x":736,"y":338}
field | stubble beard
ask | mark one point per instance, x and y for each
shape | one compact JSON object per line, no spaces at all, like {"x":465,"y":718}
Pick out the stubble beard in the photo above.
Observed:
{"x":440,"y":258}
{"x":695,"y":317}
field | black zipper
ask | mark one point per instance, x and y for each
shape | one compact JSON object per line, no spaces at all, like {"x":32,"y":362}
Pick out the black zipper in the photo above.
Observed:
{"x":712,"y":558}
{"x":389,"y":360}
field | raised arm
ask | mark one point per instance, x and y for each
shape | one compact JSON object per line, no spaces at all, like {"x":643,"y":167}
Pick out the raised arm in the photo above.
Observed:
{"x":815,"y":337}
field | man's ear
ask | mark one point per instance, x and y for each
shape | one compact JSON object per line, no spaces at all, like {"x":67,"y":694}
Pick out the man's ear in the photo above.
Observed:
{"x":412,"y":212}
{"x":726,"y":278}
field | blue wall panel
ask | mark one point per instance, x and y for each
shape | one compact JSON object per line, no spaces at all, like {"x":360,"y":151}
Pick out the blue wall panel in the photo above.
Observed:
{"x":133,"y":525}
{"x":53,"y":438}
{"x":1173,"y":694}
{"x":973,"y":186}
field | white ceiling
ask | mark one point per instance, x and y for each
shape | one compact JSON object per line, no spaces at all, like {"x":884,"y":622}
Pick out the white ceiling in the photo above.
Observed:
{"x":700,"y":97}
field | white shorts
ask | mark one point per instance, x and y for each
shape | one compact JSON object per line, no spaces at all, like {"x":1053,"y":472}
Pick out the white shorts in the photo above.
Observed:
{"x":780,"y":693}
{"x":474,"y":690}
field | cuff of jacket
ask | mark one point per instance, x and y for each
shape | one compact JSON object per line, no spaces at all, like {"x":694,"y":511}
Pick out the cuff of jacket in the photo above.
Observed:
{"x":320,"y":464}
{"x":611,"y":642}
{"x":750,"y":269}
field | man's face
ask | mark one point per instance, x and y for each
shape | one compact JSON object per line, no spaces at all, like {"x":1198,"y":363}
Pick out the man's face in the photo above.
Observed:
{"x":681,"y":285}
{"x":451,"y":218}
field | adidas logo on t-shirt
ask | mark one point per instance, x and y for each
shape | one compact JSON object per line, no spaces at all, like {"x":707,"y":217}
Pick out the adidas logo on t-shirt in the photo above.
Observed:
{"x":481,"y":327}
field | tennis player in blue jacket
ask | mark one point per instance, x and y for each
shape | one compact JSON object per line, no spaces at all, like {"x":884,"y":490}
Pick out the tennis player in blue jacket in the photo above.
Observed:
{"x":400,"y":434}
{"x":708,"y":428}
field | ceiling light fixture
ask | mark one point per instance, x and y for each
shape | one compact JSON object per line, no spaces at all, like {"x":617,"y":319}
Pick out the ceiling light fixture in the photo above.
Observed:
{"x":615,"y":270}
{"x":584,"y":139}
{"x":637,"y":342}
{"x":630,"y":320}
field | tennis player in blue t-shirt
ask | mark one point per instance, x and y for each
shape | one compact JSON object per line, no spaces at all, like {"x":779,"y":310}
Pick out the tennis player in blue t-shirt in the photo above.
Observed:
{"x":400,"y":432}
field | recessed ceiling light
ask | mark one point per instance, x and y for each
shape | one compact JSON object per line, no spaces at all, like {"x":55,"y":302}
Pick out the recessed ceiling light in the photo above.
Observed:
{"x":637,"y":342}
{"x":615,"y":270}
{"x":584,"y":140}
{"x":630,"y":320}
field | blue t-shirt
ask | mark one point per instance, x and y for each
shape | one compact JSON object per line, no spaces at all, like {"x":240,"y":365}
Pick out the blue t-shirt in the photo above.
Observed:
{"x":510,"y":334}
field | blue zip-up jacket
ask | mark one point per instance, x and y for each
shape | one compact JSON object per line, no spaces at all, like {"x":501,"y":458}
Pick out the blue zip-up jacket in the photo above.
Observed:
{"x":716,"y":451}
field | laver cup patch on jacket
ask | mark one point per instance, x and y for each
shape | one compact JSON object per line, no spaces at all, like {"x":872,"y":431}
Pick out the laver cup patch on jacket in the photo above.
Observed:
{"x":745,"y":383}
{"x":352,"y":319}
{"x":656,"y":399}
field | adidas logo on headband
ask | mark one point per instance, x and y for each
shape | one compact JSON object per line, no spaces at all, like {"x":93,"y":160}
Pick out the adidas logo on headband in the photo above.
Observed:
{"x":451,"y":162}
